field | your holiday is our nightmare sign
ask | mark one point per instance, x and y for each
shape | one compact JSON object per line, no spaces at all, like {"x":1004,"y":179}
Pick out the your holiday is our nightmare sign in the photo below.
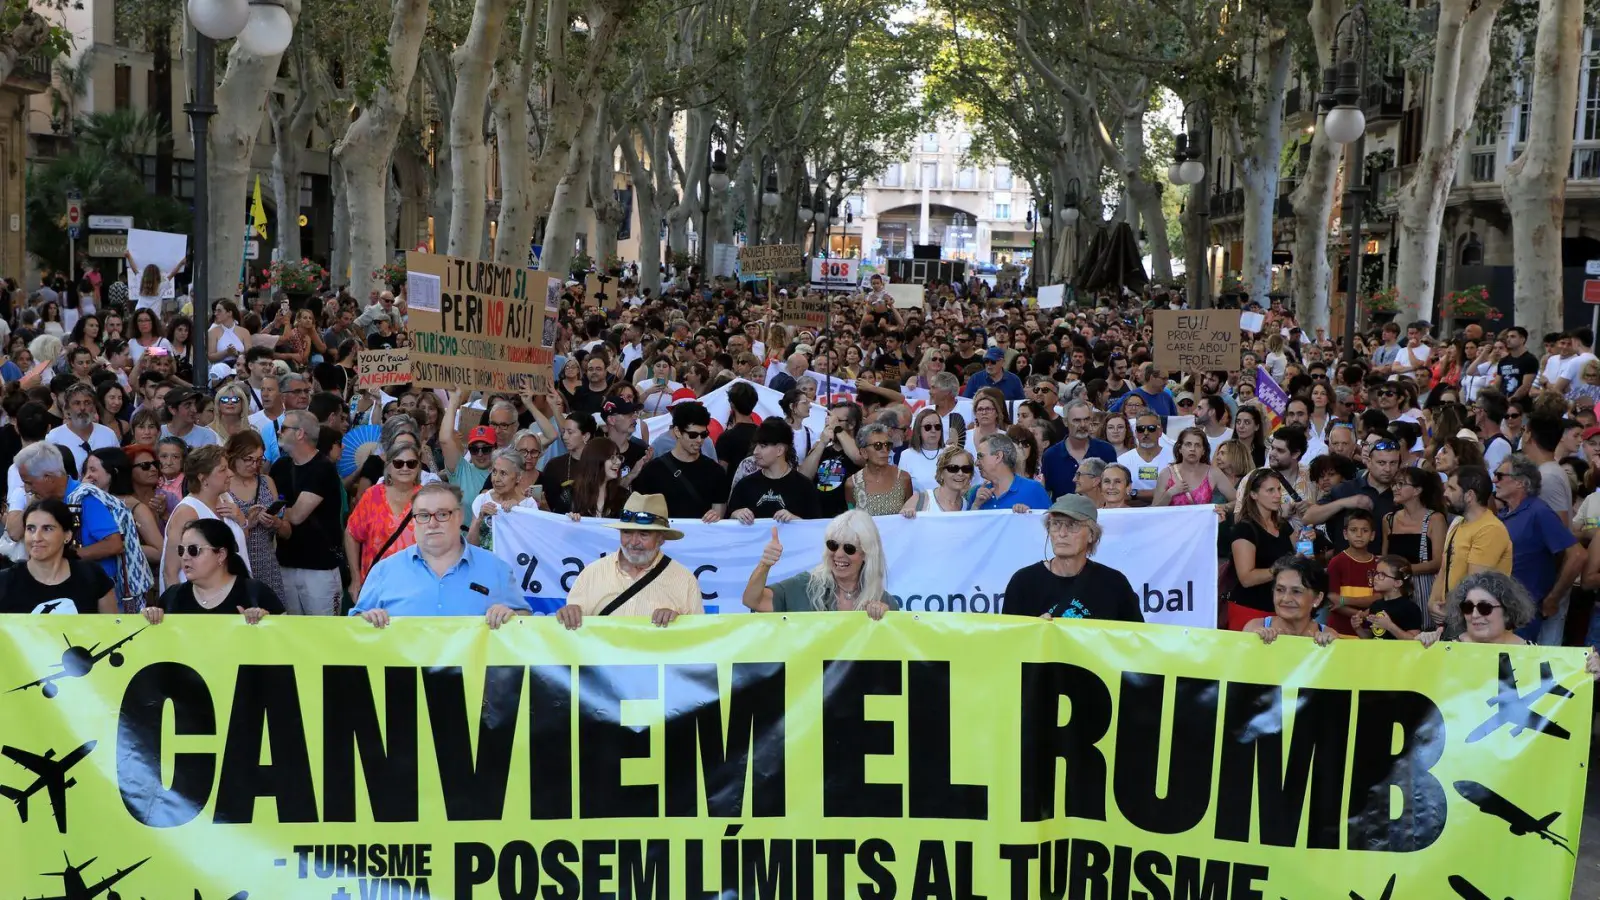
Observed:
{"x":476,"y":324}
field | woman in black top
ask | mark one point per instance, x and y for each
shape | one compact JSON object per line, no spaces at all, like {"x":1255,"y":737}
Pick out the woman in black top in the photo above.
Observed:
{"x":52,"y":581}
{"x":1261,"y":537}
{"x":219,"y":581}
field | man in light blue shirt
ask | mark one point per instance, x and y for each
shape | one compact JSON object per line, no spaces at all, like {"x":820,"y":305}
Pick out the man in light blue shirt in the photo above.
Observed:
{"x":441,"y":575}
{"x":1003,"y":488}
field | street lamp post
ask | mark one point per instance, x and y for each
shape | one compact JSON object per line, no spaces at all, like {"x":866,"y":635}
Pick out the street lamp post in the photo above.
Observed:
{"x":1069,"y":217}
{"x":1049,"y":224}
{"x":716,"y":180}
{"x":1344,"y":123}
{"x":263,"y":27}
{"x":1033,"y":238}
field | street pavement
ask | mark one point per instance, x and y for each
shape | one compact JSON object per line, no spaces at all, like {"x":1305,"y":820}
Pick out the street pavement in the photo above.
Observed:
{"x":1586,"y":884}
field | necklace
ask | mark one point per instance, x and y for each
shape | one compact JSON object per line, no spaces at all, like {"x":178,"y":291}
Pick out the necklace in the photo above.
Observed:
{"x":210,"y":598}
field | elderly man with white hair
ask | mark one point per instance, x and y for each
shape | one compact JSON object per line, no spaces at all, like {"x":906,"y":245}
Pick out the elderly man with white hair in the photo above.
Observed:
{"x":639,"y":580}
{"x":793,"y":370}
{"x":1070,"y":585}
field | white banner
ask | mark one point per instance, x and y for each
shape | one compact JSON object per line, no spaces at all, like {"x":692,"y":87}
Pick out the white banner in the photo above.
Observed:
{"x":942,"y":563}
{"x":157,"y":248}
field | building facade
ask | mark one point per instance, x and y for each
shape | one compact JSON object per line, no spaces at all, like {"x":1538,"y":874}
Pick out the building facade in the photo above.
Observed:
{"x":937,"y":195}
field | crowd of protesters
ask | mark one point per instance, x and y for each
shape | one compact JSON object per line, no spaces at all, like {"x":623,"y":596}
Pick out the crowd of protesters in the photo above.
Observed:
{"x":1418,"y":487}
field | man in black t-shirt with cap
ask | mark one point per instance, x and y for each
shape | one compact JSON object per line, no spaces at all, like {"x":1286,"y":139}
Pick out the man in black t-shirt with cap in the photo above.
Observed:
{"x":1070,"y":585}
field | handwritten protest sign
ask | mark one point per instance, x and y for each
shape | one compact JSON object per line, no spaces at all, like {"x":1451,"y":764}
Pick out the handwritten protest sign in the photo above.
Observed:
{"x":1196,"y":340}
{"x":810,"y":310}
{"x":380,"y":368}
{"x":480,"y":326}
{"x":771,"y":258}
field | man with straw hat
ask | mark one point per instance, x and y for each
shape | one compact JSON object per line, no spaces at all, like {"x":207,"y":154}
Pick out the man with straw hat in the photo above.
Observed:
{"x":639,"y":580}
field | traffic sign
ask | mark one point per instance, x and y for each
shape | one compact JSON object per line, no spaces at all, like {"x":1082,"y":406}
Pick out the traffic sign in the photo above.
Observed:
{"x":111,"y":223}
{"x":1592,"y":267}
{"x":1591,"y":291}
{"x":74,"y":214}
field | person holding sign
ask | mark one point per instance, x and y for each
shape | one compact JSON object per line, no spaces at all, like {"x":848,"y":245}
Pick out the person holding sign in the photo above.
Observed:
{"x":850,"y":576}
{"x":639,"y":580}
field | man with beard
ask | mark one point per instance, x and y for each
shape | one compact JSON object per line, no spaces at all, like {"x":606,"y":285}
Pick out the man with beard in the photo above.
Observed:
{"x":80,"y":433}
{"x":1477,"y":541}
{"x":639,"y":580}
{"x":1060,"y":462}
{"x":1373,"y":490}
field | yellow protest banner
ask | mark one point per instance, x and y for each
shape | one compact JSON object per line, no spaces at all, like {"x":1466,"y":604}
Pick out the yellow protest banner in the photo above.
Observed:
{"x":797,"y":756}
{"x":476,"y":325}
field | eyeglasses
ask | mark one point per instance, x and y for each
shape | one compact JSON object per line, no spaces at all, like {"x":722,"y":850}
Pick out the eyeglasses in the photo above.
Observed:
{"x":880,"y":445}
{"x":835,"y":547}
{"x":1483,"y":607}
{"x":196,"y":549}
{"x":426,"y":516}
{"x":502,"y":425}
{"x":695,"y":435}
{"x":1063,"y":524}
{"x":299,"y":391}
{"x":253,"y":460}
{"x":1147,"y":429}
{"x":404,"y":464}
{"x":959,"y":470}
{"x":480,"y":449}
{"x":1499,"y":475}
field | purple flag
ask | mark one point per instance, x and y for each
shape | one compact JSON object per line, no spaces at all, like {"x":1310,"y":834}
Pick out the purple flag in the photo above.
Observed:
{"x":1268,"y":392}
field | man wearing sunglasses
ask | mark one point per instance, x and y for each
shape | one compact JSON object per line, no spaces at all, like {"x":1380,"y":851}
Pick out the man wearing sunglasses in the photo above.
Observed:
{"x":1372,"y":490}
{"x":1150,"y":454}
{"x":1545,"y":556}
{"x":311,"y":486}
{"x":638,"y":580}
{"x":693,"y":485}
{"x":440,"y":575}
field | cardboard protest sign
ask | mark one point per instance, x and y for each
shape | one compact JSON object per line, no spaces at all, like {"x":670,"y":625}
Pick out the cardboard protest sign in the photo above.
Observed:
{"x":380,"y":368}
{"x":906,"y":296}
{"x":1051,"y":296}
{"x":1188,"y":340}
{"x":771,"y":258}
{"x":809,"y":310}
{"x":476,"y":324}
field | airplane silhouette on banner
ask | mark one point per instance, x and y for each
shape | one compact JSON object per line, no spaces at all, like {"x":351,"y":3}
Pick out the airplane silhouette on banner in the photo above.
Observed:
{"x":51,"y":778}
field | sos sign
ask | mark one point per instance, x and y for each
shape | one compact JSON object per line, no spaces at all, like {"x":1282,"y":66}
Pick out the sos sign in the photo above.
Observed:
{"x":838,"y":272}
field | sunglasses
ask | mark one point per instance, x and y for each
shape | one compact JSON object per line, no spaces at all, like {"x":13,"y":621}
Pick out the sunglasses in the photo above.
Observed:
{"x":480,"y":448}
{"x":404,"y":464}
{"x":959,"y":470}
{"x":695,"y":435}
{"x":1185,"y":402}
{"x":880,"y":445}
{"x":148,"y":465}
{"x":1483,"y":607}
{"x":1385,"y":446}
{"x":932,"y":426}
{"x":835,"y":547}
{"x":1148,"y":429}
{"x":639,"y":517}
{"x":195,"y":550}
{"x":228,"y":401}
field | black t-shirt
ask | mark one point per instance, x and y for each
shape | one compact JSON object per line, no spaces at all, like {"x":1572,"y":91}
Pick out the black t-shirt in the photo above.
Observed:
{"x":734,"y":444}
{"x":766,"y":496}
{"x":247,"y":593}
{"x":958,"y":363}
{"x":376,"y":341}
{"x":1097,"y":592}
{"x":1511,"y":370}
{"x":632,"y":455}
{"x":1269,"y":550}
{"x":691,"y":488}
{"x":1403,"y":610}
{"x":556,"y":479}
{"x":80,"y":594}
{"x":833,"y":470}
{"x":310,"y":544}
{"x":586,"y":402}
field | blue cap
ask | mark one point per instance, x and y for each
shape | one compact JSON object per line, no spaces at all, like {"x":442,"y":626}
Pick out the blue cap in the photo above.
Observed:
{"x":994,"y":354}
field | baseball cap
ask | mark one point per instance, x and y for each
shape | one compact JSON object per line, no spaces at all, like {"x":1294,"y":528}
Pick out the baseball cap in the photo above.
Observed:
{"x":179,"y":396}
{"x":482,"y":433}
{"x":1591,"y":431}
{"x":994,"y":354}
{"x":1075,"y":506}
{"x":619,"y":408}
{"x":1182,"y":396}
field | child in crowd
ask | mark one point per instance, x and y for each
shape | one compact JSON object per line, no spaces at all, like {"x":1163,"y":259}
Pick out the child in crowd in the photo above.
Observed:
{"x":1350,"y":573}
{"x":1393,"y":615}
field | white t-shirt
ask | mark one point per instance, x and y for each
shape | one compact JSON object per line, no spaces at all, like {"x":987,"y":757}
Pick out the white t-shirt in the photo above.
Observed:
{"x":481,"y":499}
{"x":921,"y":469}
{"x":1219,"y":440}
{"x":1144,"y":473}
{"x":1550,"y":371}
{"x":1572,"y":368}
{"x":201,"y":436}
{"x":100,"y":438}
{"x":1495,"y":451}
{"x":660,"y":402}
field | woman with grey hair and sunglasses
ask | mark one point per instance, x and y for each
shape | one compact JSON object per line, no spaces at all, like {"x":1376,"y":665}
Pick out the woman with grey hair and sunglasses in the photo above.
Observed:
{"x":1485,"y":608}
{"x":850,"y":576}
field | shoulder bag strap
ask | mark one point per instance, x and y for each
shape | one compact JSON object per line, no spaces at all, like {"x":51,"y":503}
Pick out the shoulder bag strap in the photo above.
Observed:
{"x":677,"y":470}
{"x":399,"y":529}
{"x":637,"y":586}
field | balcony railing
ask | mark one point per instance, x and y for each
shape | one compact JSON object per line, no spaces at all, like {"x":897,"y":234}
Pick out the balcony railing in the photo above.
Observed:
{"x":1586,"y":161}
{"x":1482,"y":165}
{"x":35,"y":68}
{"x":1381,"y":102}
